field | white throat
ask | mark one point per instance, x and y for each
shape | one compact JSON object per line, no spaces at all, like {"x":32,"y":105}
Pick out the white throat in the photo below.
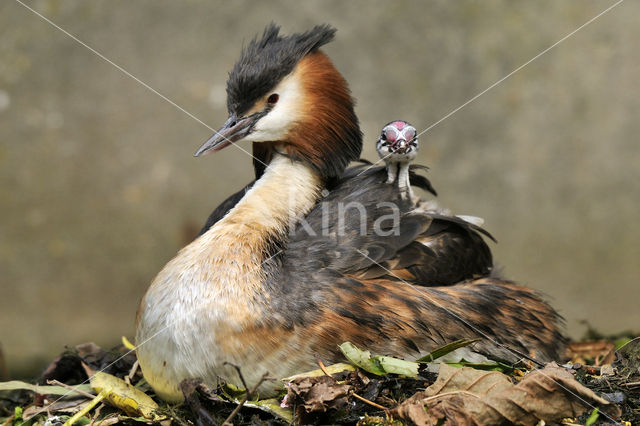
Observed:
{"x":213,"y":288}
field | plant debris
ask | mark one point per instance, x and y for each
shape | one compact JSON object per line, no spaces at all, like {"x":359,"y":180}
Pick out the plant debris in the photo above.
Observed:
{"x":469,"y":396}
{"x":599,"y":385}
{"x":124,"y":396}
{"x":378,"y":364}
{"x":311,"y":395}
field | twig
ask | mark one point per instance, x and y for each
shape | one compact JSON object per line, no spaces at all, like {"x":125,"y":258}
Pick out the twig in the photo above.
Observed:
{"x":96,"y":414}
{"x":86,"y":409}
{"x":249,"y":393}
{"x":366,"y":401}
{"x":71,"y":388}
{"x":134,"y":369}
{"x":322,"y":367}
{"x":631,"y":384}
{"x":244,"y":384}
{"x":188,"y":388}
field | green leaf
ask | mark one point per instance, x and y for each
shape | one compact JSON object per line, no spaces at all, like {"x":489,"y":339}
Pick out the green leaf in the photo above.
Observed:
{"x":446,"y":349}
{"x":360,"y":358}
{"x":124,"y":396}
{"x":18,"y":416}
{"x":331,"y":369}
{"x":82,"y":421}
{"x":17,"y":413}
{"x":397,"y":366}
{"x":378,"y":364}
{"x":621,"y":342}
{"x":272,"y":406}
{"x":232,"y":392}
{"x":592,"y":418}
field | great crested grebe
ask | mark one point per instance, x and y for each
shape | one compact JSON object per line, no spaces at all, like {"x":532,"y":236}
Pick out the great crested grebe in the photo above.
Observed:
{"x":311,"y":255}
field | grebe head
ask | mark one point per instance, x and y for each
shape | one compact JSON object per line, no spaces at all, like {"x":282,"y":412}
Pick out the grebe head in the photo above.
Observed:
{"x":284,"y":93}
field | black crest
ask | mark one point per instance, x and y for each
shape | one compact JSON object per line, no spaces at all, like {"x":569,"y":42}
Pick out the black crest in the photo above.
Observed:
{"x":263,"y":63}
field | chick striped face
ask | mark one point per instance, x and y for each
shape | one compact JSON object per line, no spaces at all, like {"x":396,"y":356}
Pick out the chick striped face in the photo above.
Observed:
{"x":398,"y":142}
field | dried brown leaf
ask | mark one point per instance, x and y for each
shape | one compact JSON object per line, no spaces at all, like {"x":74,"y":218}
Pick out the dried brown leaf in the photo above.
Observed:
{"x":469,"y":396}
{"x":89,"y":349}
{"x":55,"y":407}
{"x":318,"y":394}
{"x":599,"y":352}
{"x":629,"y":363}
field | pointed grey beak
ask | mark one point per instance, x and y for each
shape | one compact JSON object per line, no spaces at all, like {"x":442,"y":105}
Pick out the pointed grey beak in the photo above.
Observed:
{"x":231,"y":131}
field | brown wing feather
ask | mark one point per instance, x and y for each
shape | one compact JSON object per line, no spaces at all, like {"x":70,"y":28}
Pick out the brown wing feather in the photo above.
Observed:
{"x":444,"y":257}
{"x":394,"y":318}
{"x":426,"y":246}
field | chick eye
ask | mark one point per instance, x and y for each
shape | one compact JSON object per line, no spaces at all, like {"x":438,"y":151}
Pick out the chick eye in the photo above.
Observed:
{"x":391,"y":135}
{"x":273,"y":98}
{"x":409,"y":134}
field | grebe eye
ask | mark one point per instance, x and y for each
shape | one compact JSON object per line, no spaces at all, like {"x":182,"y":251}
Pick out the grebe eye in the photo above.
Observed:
{"x":273,"y":98}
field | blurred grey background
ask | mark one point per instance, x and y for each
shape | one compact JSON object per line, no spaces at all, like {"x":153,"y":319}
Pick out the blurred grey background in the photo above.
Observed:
{"x":98,"y":186}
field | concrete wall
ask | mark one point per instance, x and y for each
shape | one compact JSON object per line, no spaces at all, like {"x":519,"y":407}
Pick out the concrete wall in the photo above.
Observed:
{"x":98,"y":186}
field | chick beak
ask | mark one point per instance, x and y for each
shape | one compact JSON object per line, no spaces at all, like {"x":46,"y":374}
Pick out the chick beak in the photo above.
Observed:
{"x":400,"y":146}
{"x":234,"y":129}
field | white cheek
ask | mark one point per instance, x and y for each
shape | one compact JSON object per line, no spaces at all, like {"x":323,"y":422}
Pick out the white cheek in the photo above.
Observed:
{"x":383,"y":151}
{"x":276,"y":124}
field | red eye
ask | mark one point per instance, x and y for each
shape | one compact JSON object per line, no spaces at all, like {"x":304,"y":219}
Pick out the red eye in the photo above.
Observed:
{"x":409,"y":134}
{"x":391,"y":134}
{"x":273,"y":98}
